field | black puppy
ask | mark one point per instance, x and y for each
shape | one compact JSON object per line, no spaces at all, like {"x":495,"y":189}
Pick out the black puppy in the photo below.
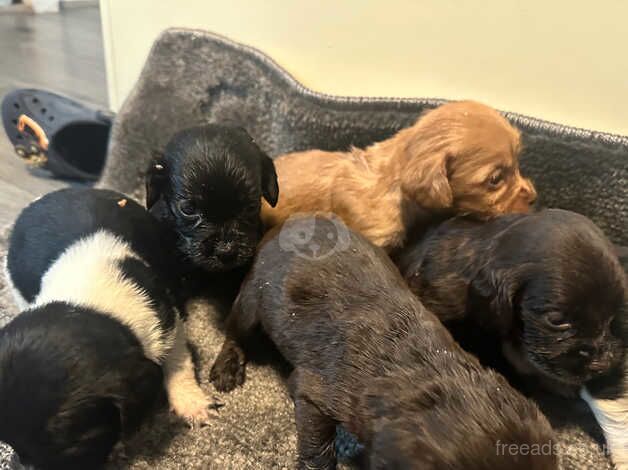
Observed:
{"x":208,"y":186}
{"x":98,"y":339}
{"x":369,"y":356}
{"x":548,"y":290}
{"x":548,"y":285}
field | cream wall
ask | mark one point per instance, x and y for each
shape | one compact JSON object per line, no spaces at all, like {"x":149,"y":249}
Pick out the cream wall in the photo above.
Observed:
{"x":559,"y":60}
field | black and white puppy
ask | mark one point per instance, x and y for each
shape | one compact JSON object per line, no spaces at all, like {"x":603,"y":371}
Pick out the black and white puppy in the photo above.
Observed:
{"x":98,"y":339}
{"x":545,"y":288}
{"x":368,"y":355}
{"x":208,"y":187}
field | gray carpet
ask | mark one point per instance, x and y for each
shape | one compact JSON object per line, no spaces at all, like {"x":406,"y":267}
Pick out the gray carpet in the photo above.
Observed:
{"x":192,"y":77}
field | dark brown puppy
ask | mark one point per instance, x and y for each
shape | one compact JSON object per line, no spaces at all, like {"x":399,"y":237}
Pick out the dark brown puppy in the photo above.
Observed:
{"x":546,"y":287}
{"x":369,"y":356}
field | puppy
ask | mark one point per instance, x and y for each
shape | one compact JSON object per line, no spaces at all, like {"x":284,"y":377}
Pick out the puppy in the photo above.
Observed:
{"x":546,"y":288}
{"x":548,"y":285}
{"x":459,"y":158}
{"x":98,"y":339}
{"x":208,"y":187}
{"x":369,"y":356}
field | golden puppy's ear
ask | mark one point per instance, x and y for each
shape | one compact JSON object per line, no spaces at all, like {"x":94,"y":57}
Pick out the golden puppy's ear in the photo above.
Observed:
{"x":425,"y":180}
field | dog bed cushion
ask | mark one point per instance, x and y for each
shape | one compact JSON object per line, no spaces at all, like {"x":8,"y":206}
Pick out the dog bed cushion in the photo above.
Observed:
{"x":194,"y":77}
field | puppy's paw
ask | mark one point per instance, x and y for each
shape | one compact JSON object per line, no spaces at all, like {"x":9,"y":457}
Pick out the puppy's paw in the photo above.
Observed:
{"x":190,"y":403}
{"x":228,"y":371}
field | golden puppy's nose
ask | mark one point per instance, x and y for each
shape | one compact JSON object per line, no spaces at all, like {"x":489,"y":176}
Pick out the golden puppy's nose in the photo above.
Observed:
{"x":528,"y":191}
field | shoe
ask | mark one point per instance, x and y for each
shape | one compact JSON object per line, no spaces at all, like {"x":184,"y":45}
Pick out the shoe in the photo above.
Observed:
{"x":56,"y":133}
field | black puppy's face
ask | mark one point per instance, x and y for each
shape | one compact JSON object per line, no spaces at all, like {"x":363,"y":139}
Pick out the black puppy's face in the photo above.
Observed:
{"x":572,"y":322}
{"x":568,"y":299}
{"x":208,"y":187}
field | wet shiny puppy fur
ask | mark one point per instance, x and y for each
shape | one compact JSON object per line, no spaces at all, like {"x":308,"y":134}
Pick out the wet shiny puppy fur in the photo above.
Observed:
{"x":208,"y":186}
{"x":368,"y":355}
{"x":99,"y":339}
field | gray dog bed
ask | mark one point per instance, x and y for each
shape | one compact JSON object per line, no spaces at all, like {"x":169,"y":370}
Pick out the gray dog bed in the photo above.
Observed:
{"x":193,"y":77}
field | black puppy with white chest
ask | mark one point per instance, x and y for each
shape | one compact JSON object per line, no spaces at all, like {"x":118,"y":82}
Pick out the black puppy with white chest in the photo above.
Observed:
{"x":99,"y":338}
{"x":369,"y":356}
{"x":547,"y":286}
{"x":208,"y":186}
{"x":544,"y":293}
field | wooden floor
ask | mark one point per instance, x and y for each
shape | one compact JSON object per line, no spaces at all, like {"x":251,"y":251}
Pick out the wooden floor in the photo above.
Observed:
{"x":57,"y":52}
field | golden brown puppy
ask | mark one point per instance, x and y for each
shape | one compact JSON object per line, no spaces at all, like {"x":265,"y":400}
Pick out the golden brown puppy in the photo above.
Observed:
{"x":459,"y":158}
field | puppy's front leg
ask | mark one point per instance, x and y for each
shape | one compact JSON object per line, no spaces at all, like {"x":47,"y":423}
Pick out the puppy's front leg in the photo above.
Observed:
{"x":315,"y":437}
{"x":316,"y":432}
{"x":228,"y":370}
{"x":184,"y":394}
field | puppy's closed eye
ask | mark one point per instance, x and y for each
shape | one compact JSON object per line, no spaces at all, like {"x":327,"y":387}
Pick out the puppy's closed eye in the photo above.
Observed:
{"x":187,"y":209}
{"x":495,"y":179}
{"x":498,"y":177}
{"x":557,"y":321}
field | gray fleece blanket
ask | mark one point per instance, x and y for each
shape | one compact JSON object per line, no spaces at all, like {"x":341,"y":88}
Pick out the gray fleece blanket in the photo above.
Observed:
{"x":194,"y":77}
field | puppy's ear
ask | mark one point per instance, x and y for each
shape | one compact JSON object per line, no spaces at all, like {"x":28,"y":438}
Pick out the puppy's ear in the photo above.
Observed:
{"x":270,"y":187}
{"x":495,"y":292}
{"x":425,"y":180}
{"x":156,"y":180}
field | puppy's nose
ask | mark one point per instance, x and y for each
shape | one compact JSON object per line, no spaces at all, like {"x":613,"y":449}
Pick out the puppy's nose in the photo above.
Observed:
{"x":603,"y":361}
{"x":528,"y":191}
{"x":225,"y":251}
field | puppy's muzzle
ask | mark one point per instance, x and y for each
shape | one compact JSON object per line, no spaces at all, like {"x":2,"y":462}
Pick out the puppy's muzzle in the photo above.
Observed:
{"x":604,"y":361}
{"x":226,"y":252}
{"x":525,"y":198}
{"x":528,"y":192}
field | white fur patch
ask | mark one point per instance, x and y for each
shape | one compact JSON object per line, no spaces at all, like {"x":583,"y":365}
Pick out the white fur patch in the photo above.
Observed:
{"x":612,"y":416}
{"x":20,"y":301}
{"x":184,"y":394}
{"x":88,"y":274}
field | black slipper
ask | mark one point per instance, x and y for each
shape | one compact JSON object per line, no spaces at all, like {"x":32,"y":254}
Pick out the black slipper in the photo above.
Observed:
{"x":56,"y":133}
